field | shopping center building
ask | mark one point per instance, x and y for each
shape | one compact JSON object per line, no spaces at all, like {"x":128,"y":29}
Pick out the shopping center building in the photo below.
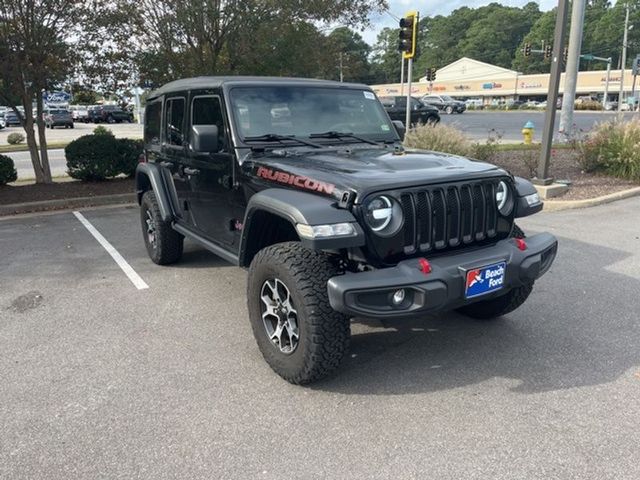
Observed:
{"x":467,"y":78}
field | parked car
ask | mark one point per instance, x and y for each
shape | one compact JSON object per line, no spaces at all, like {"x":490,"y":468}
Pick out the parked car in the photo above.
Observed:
{"x":330,"y":215}
{"x":444,"y":103}
{"x":11,"y":119}
{"x":58,"y":117}
{"x":79,"y":113}
{"x":2,"y":124}
{"x":110,"y":114}
{"x":476,"y":103}
{"x":396,"y":107}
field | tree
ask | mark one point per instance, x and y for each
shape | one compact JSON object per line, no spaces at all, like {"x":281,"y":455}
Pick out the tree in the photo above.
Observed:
{"x":385,"y":66}
{"x":198,"y":37}
{"x":541,"y":32}
{"x":34,"y":56}
{"x":495,"y":37}
{"x":347,"y":48}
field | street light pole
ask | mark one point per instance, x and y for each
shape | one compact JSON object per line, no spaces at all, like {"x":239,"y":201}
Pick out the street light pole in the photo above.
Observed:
{"x":572,"y":68}
{"x":552,"y":96}
{"x":624,"y":59}
{"x":606,"y":85}
{"x":401,"y":74}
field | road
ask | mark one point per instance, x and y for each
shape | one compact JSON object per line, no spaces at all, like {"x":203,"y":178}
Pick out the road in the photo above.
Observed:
{"x":476,"y":124}
{"x":102,"y":380}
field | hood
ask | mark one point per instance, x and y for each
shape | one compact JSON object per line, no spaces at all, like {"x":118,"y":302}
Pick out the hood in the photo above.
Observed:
{"x":361,"y":170}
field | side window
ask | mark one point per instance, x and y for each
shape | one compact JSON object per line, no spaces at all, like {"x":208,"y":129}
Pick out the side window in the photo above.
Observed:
{"x":208,"y":111}
{"x":152,"y":122}
{"x":174,"y":121}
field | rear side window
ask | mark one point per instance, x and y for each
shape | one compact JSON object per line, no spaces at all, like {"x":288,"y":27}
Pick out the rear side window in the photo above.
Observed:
{"x":152,"y":122}
{"x":174,"y":121}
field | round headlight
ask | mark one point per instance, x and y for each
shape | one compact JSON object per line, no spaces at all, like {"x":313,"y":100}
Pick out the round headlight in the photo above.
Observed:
{"x":503,"y":198}
{"x":383,"y":215}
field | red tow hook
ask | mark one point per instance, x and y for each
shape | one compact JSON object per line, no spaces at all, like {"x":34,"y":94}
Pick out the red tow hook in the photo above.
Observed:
{"x":521,"y":244}
{"x":424,"y":266}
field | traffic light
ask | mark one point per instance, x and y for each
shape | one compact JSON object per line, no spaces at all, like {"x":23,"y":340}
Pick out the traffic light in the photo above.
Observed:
{"x":527,"y":49}
{"x":431,"y":74}
{"x":408,"y":35}
{"x":547,"y":51}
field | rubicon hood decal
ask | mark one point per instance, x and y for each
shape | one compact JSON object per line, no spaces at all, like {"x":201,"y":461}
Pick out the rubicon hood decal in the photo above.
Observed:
{"x":299,"y":181}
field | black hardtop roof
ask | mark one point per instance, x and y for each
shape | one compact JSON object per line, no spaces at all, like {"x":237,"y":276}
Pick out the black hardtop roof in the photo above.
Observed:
{"x":196,"y":83}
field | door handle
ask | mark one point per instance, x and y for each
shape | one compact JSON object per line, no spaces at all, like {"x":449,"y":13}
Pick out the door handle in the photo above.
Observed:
{"x":190,"y":171}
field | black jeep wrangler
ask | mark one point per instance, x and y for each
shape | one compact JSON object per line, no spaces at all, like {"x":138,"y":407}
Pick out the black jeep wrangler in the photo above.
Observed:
{"x":306,"y":183}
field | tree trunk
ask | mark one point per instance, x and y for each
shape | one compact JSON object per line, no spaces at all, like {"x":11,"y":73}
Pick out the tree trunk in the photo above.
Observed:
{"x":44,"y":154}
{"x":27,"y":124}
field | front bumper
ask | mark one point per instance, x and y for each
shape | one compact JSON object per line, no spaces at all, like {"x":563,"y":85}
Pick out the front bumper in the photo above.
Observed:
{"x":369,"y":293}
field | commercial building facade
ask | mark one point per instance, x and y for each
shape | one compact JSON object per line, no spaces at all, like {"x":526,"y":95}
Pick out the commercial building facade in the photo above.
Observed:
{"x":468,"y":78}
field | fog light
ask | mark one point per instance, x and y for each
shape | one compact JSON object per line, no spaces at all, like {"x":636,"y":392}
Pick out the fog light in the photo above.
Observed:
{"x":398,"y":296}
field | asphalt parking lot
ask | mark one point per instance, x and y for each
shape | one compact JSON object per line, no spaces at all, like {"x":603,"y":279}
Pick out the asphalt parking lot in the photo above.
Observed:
{"x":101,"y":378}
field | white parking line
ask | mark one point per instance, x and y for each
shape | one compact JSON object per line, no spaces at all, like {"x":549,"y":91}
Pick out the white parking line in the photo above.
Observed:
{"x":122,"y":263}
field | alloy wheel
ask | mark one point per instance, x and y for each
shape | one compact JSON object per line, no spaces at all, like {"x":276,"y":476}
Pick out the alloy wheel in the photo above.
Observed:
{"x":279,"y":317}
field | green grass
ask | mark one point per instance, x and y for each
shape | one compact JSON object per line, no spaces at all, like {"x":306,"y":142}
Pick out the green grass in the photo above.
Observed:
{"x":509,"y":147}
{"x":23,"y":147}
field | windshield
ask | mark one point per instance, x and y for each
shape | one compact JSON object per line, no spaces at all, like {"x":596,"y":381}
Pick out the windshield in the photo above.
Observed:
{"x":303,"y":111}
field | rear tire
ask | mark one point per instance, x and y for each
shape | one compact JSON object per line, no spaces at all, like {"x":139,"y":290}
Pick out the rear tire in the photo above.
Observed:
{"x":507,"y":303}
{"x":449,"y":110}
{"x":313,"y":338}
{"x":164,"y":244}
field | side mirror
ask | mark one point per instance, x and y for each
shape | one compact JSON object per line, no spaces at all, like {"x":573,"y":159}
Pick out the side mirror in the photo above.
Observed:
{"x":400,"y":128}
{"x":204,"y":138}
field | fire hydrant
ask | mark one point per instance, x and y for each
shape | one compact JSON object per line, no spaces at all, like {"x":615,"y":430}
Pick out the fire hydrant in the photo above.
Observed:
{"x":527,"y":132}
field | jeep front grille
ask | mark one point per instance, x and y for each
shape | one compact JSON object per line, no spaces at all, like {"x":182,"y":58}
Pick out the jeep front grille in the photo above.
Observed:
{"x":447,"y":216}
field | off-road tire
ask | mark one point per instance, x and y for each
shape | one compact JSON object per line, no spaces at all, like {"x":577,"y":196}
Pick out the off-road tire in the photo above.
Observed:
{"x":169,"y":243}
{"x":507,"y":303}
{"x":323,"y":333}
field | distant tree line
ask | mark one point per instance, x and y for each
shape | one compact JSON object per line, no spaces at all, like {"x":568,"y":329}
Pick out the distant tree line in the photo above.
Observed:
{"x":496,"y":34}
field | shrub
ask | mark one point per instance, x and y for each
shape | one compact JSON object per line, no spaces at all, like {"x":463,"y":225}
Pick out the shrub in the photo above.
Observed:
{"x":439,"y":138}
{"x":8,"y":172}
{"x":15,"y":138}
{"x":93,"y":157}
{"x":588,"y":105}
{"x":128,"y":155}
{"x":486,"y":151}
{"x":101,"y":130}
{"x":613,"y":148}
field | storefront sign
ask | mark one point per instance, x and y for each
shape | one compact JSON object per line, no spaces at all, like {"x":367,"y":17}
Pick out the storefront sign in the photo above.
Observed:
{"x":491,"y":85}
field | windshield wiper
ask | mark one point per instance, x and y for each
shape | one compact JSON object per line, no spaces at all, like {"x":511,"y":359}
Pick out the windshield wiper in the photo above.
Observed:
{"x":274,"y":137}
{"x":334,"y":134}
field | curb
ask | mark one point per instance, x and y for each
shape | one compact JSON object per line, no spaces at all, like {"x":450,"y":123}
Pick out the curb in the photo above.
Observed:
{"x":67,"y":203}
{"x":557,"y":205}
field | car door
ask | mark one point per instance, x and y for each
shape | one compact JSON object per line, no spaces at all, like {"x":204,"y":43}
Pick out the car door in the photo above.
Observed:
{"x":173,"y":156}
{"x":212,"y":175}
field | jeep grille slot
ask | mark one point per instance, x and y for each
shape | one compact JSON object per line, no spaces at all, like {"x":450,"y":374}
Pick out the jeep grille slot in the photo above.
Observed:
{"x":409,"y":228}
{"x":449,"y":216}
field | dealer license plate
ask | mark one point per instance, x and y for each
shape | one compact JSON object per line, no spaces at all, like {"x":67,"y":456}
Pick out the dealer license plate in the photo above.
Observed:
{"x":481,"y":281}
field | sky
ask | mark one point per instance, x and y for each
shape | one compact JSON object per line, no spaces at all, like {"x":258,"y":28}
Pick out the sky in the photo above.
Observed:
{"x":435,"y":7}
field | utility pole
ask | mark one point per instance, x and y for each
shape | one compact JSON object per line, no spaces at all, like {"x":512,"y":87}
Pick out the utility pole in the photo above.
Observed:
{"x":606,"y":85}
{"x":624,"y":59}
{"x":552,"y":95}
{"x":341,"y":76}
{"x":572,"y":68}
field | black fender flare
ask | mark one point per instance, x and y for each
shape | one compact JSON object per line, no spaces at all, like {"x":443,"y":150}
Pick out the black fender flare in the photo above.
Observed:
{"x":524,"y":188}
{"x":149,"y":177}
{"x":298,"y":207}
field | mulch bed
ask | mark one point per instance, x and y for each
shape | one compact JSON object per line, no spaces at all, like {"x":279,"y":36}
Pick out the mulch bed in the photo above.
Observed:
{"x":563,"y":166}
{"x":66,"y":189}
